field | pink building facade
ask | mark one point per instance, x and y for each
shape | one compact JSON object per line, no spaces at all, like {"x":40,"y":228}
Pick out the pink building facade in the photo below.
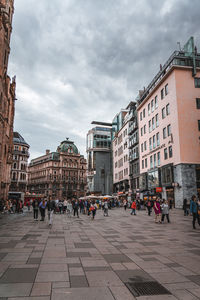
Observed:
{"x":120,"y":148}
{"x":169,"y":131}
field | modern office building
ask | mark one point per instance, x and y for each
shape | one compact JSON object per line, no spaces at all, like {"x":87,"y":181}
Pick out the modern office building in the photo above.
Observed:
{"x":134,"y":165}
{"x":169,"y":128}
{"x":60,"y":174}
{"x":19,"y":172}
{"x":120,"y":153}
{"x":7,"y":98}
{"x":99,"y":176}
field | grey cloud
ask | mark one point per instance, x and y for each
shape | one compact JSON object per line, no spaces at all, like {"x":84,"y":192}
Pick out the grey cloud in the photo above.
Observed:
{"x":77,"y":61}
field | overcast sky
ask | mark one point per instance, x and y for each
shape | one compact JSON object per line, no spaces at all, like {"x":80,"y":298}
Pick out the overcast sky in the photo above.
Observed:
{"x":83,"y":60}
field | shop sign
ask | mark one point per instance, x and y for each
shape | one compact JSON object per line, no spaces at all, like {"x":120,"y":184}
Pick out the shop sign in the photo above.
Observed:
{"x":158,"y":190}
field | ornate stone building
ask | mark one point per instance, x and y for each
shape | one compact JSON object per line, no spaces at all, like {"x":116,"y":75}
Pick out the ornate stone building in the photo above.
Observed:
{"x":60,"y":174}
{"x":7,"y":98}
{"x":19,"y":173}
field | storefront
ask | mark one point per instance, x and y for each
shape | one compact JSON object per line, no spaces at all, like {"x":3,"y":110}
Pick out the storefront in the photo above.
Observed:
{"x":168,"y":184}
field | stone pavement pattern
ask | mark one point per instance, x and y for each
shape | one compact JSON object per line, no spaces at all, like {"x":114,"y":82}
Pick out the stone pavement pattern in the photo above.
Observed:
{"x":81,"y":259}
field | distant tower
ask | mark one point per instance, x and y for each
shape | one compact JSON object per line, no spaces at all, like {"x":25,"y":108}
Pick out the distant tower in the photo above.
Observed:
{"x":7,"y":97}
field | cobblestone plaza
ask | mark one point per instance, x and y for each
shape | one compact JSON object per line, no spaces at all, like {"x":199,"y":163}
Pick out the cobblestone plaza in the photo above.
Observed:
{"x":102,"y":259}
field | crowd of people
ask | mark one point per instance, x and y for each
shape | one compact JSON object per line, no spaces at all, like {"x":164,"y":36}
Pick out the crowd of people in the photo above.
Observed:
{"x":89,"y":207}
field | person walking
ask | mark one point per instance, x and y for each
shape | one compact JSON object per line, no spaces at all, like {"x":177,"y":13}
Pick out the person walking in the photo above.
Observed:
{"x":42,"y":207}
{"x":105,"y":208}
{"x":60,"y":206}
{"x":69,"y":208}
{"x":133,"y":207}
{"x":125,"y":204}
{"x":194,"y":210}
{"x":149,"y":207}
{"x":157,"y":211}
{"x":93,"y":209}
{"x":75,"y":208}
{"x":51,"y":207}
{"x":165,"y":211}
{"x":35,"y":205}
{"x":64,"y":206}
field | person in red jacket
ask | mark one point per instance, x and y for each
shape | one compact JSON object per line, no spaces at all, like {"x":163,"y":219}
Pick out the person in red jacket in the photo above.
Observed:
{"x":133,"y":207}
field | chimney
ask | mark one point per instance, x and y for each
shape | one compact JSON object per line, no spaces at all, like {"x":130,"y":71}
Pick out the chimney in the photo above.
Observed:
{"x":47,"y":151}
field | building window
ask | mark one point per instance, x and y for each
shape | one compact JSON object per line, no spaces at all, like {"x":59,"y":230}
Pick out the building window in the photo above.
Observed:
{"x":141,"y":116}
{"x":151,"y":162}
{"x":156,"y":102}
{"x":144,"y":129}
{"x":150,"y":126}
{"x":145,"y":146}
{"x":197,"y":82}
{"x":163,"y":113}
{"x":149,"y":109}
{"x":158,"y":139}
{"x":157,"y":122}
{"x":142,"y":147}
{"x":144,"y":113}
{"x":165,"y":153}
{"x":162,"y":93}
{"x":152,"y":105}
{"x":170,"y":151}
{"x":154,"y":142}
{"x":167,"y":110}
{"x":166,"y":90}
{"x":199,"y":124}
{"x":169,"y":130}
{"x":154,"y":158}
{"x":145,"y":162}
{"x":150,"y":144}
{"x":198,"y":103}
{"x":142,"y":164}
{"x":158,"y":158}
{"x":164,"y":133}
{"x":153,"y":123}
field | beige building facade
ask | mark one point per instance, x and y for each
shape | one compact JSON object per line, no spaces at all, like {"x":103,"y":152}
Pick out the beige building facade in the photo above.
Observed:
{"x":60,"y":174}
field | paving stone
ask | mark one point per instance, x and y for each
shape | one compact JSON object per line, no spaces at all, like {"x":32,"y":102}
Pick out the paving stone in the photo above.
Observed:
{"x":103,"y":278}
{"x":41,"y":289}
{"x":24,"y":275}
{"x":34,"y":260}
{"x":78,"y":281}
{"x":194,"y":278}
{"x":53,"y":267}
{"x":84,"y":245}
{"x":112,"y":258}
{"x":134,"y":276}
{"x":61,"y":284}
{"x":51,"y":276}
{"x":31,"y":298}
{"x":82,"y":294}
{"x":121,"y":292}
{"x":101,"y":268}
{"x":2,"y":255}
{"x":15,"y":289}
{"x":78,"y":254}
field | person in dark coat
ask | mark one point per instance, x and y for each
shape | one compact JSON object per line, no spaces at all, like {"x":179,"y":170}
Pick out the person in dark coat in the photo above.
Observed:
{"x":193,"y":210}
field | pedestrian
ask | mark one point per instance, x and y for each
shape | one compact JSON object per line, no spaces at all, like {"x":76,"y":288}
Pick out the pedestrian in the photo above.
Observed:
{"x":170,"y":203}
{"x":93,"y":209}
{"x":75,"y":208}
{"x":64,"y":206}
{"x":125,"y":204}
{"x":51,"y":207}
{"x":88,"y":207}
{"x":81,"y":204}
{"x":35,"y":205}
{"x":60,"y":206}
{"x":165,"y":211}
{"x":194,"y":210}
{"x":105,"y":208}
{"x":149,"y":207}
{"x":42,"y":207}
{"x":157,"y":211}
{"x":133,"y":207}
{"x":69,"y":208}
